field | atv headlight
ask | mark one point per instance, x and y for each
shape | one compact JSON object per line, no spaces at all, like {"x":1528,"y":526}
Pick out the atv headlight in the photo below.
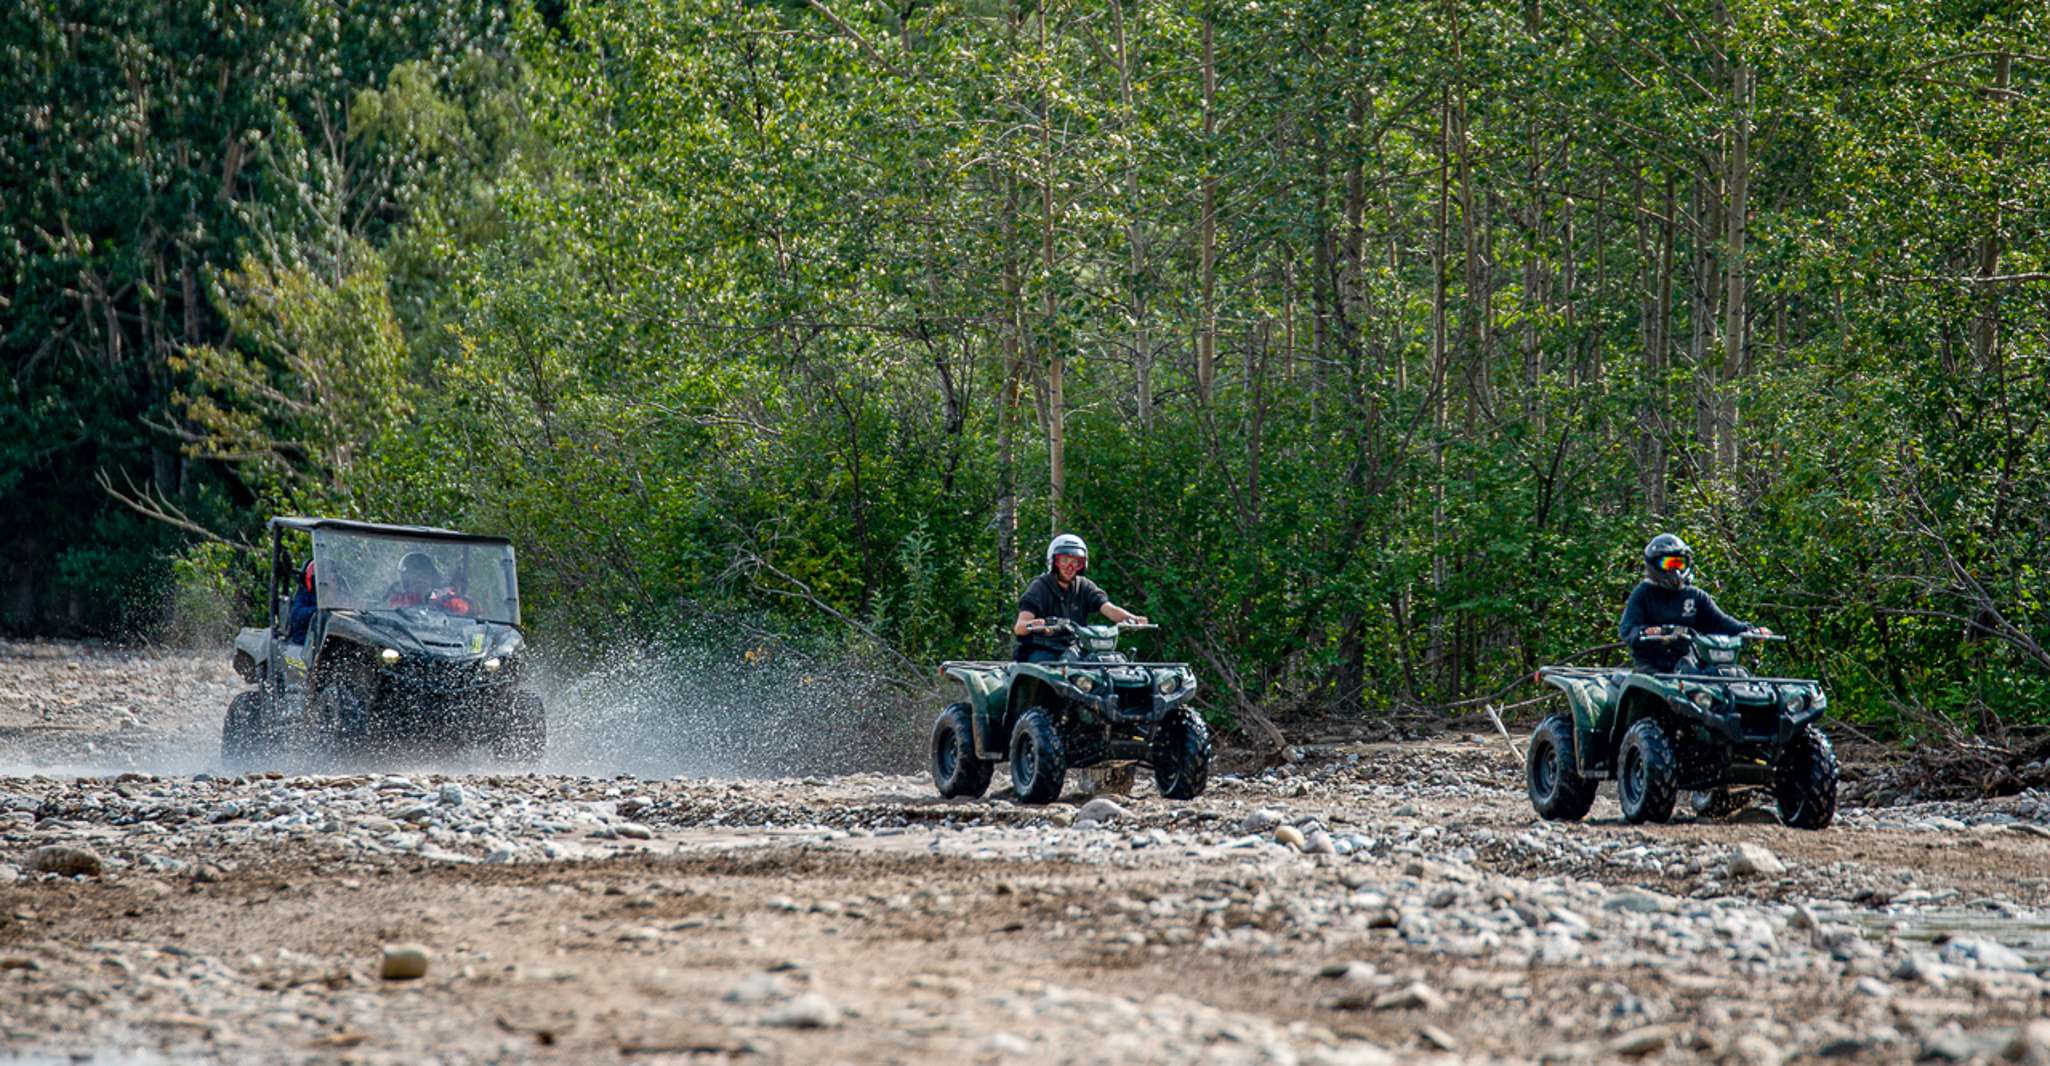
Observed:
{"x":389,"y":656}
{"x":1084,"y":683}
{"x":492,"y":664}
{"x":1703,"y":698}
{"x":1168,"y":684}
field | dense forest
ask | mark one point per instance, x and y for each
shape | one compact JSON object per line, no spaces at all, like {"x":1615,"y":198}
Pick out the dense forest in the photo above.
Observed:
{"x":1366,"y":342}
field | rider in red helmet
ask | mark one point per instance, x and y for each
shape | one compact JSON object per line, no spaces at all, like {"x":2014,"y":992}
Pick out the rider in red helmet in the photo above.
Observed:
{"x":302,"y":606}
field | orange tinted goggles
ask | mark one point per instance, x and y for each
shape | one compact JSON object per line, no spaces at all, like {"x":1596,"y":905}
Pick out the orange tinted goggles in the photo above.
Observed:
{"x":1673,"y":562}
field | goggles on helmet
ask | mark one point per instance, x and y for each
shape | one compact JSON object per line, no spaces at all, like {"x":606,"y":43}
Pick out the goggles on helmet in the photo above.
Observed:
{"x":1672,"y":562}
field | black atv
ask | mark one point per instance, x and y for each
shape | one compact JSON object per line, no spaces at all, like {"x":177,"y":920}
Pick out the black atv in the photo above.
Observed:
{"x":413,"y":645}
{"x":1706,"y":728}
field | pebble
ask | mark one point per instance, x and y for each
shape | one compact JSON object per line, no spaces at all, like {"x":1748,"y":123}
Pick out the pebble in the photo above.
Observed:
{"x":1753,"y":1049}
{"x":1290,"y":836}
{"x":1642,"y":1041}
{"x":1414,"y":996}
{"x":2030,"y":1044}
{"x":1755,"y":860}
{"x":404,"y":962}
{"x":65,"y":861}
{"x":755,"y":989}
{"x":1101,"y":811}
{"x":808,"y":1011}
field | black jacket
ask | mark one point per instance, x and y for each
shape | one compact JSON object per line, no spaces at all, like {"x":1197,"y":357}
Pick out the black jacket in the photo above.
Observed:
{"x":1651,"y":605}
{"x":1047,"y":601}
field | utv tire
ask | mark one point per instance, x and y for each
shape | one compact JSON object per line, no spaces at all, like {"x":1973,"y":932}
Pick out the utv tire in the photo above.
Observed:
{"x":523,"y":737}
{"x":956,"y":770}
{"x":242,"y":731}
{"x":1557,"y":791}
{"x":1039,"y":761}
{"x":1180,"y":752}
{"x":1646,"y":781}
{"x":1804,"y":781}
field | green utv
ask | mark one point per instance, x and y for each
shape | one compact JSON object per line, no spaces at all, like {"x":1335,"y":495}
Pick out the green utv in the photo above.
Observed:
{"x":1091,"y":708}
{"x":1702,"y":729}
{"x":406,"y":641}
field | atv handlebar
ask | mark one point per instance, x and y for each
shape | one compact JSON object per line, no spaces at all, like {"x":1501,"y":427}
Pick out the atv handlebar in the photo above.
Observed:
{"x":1669,"y":634}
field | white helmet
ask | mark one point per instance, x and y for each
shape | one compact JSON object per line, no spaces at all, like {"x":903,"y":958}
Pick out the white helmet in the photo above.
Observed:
{"x":1067,"y":544}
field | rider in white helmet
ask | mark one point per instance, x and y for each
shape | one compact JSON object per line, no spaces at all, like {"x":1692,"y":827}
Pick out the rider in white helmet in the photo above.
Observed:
{"x":1062,"y":593}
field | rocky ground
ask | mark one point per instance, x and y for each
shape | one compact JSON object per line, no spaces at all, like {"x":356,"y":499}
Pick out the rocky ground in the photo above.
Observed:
{"x":1368,"y":904}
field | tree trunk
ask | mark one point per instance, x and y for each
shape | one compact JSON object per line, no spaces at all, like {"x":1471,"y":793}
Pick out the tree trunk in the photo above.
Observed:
{"x":1738,"y":189}
{"x":1135,"y":233}
{"x":1056,"y":354}
{"x":1206,"y":331}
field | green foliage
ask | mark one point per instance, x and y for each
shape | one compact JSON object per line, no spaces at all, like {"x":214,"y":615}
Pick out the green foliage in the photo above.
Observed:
{"x":757,"y":312}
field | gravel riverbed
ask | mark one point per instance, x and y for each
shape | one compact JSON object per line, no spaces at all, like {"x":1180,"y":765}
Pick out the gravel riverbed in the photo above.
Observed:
{"x":1369,"y":904}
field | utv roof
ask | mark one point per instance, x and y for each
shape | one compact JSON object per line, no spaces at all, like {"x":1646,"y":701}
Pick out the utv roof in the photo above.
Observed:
{"x":311,"y":525}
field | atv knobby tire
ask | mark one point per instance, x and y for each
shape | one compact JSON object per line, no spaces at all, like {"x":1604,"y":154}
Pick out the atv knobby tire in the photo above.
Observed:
{"x":242,"y":731}
{"x":1557,"y":791}
{"x":956,"y":770}
{"x":1646,"y":781}
{"x":522,"y":737}
{"x":1180,"y":752}
{"x":1804,"y":781}
{"x":1715,"y":803}
{"x":1039,"y":761}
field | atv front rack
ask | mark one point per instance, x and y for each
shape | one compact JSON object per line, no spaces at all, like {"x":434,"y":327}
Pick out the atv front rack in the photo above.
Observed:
{"x":1083,"y":664}
{"x":1697,"y":679}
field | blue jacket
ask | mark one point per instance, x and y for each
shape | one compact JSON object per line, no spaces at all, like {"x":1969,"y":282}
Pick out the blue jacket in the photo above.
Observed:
{"x":301,"y":615}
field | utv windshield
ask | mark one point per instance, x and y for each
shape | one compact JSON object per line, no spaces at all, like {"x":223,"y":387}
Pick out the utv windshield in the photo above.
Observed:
{"x":374,"y":572}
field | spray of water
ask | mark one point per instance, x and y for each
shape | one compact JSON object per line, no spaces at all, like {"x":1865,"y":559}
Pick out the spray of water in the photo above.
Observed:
{"x":717,"y":707}
{"x":708,"y":703}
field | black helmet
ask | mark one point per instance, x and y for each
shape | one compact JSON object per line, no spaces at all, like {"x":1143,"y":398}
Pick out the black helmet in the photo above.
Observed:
{"x":1669,"y":562}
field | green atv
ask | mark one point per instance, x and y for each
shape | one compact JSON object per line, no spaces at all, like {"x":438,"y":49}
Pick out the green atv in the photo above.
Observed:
{"x":1092,"y":707}
{"x":1702,"y":729}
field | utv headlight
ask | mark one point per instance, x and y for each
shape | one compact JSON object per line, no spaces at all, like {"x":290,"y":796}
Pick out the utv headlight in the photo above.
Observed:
{"x":1168,"y":684}
{"x":492,"y":664}
{"x":389,"y":656}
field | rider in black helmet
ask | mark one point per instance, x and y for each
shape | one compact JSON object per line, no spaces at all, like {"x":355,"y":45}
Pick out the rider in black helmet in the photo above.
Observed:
{"x":1667,"y":597}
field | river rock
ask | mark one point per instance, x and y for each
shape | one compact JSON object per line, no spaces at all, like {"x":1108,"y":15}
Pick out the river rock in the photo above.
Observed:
{"x":65,"y":861}
{"x":2030,"y":1044}
{"x":1753,"y":1049}
{"x":404,"y":962}
{"x":1290,"y":836}
{"x":1755,"y":860}
{"x":1100,"y":811}
{"x":1986,"y":954}
{"x":809,"y":1011}
{"x":1642,"y":1041}
{"x":1414,"y":996}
